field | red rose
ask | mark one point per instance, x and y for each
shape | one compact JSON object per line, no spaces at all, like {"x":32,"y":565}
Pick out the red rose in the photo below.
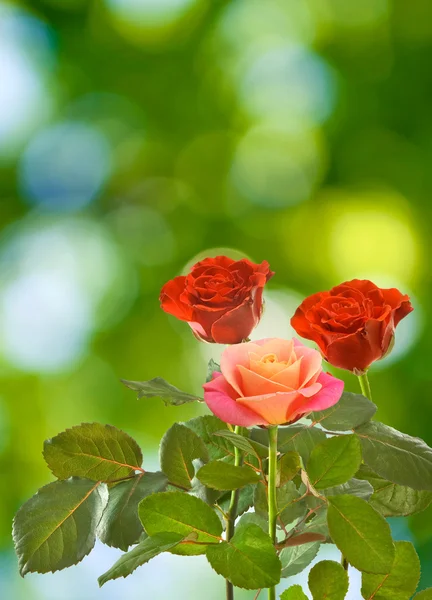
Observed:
{"x":220,"y":298}
{"x":353,"y":324}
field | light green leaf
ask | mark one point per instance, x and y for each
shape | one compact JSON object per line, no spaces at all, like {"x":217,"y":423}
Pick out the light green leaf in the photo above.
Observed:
{"x":334,"y":461}
{"x":296,"y":558}
{"x":56,"y":528}
{"x":218,"y":448}
{"x":351,"y":411}
{"x":400,"y":583}
{"x":353,"y":487}
{"x":159,"y":388}
{"x":296,"y":437}
{"x":424,"y":595}
{"x":328,"y":581}
{"x":393,"y":500}
{"x":141,"y":554}
{"x":396,"y":456}
{"x":286,"y":498}
{"x":223,"y":476}
{"x":120,"y":526}
{"x":248,"y":560}
{"x":92,"y":451}
{"x":361,"y":534}
{"x":288,"y":466}
{"x":295,"y":592}
{"x":178,"y":448}
{"x":244,"y":444}
{"x":177,"y":512}
{"x":211,"y":368}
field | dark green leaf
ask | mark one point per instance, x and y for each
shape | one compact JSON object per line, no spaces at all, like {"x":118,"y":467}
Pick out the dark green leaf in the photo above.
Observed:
{"x":400,"y":583}
{"x":296,"y":437}
{"x":296,"y":558}
{"x":177,"y":512}
{"x":295,"y":592}
{"x":361,"y":534}
{"x":248,"y":560}
{"x":318,"y":524}
{"x":218,"y":448}
{"x":334,"y":461}
{"x":395,"y":456}
{"x":141,"y":554}
{"x":393,"y":500}
{"x":199,"y":490}
{"x":353,"y":487}
{"x":245,"y":499}
{"x":248,"y":446}
{"x":56,"y":528}
{"x":351,"y":411}
{"x":223,"y":476}
{"x":328,"y":580}
{"x":211,"y":368}
{"x":159,"y":388}
{"x":120,"y":526}
{"x":178,"y":448}
{"x":288,"y":466}
{"x":252,"y":517}
{"x":93,"y":451}
{"x":287,"y":502}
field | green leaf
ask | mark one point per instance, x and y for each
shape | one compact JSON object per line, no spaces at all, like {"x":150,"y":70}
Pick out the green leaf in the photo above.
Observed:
{"x":424,"y":595}
{"x":245,"y":500}
{"x":286,"y":500}
{"x":353,"y":487}
{"x":218,"y":448}
{"x":295,"y":592}
{"x":177,"y":512}
{"x":92,"y":451}
{"x":178,"y":448}
{"x":296,"y":558}
{"x":318,"y":524}
{"x":396,"y":456}
{"x":393,"y":500}
{"x":351,"y":411}
{"x":400,"y":583}
{"x":252,"y":517}
{"x":159,"y":388}
{"x":141,"y":554}
{"x":56,"y":528}
{"x":223,"y":476}
{"x":120,"y":526}
{"x":199,"y":490}
{"x":211,"y":368}
{"x":328,"y":580}
{"x":248,"y":560}
{"x":300,"y":539}
{"x":244,"y":444}
{"x":361,"y":534}
{"x":296,"y":437}
{"x":288,"y":466}
{"x":334,"y":461}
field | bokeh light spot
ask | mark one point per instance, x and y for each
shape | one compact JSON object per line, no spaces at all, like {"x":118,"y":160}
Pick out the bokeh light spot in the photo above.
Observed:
{"x":65,"y":166}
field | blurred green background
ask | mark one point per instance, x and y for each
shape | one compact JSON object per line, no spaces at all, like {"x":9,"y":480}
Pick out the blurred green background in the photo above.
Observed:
{"x":138,"y":135}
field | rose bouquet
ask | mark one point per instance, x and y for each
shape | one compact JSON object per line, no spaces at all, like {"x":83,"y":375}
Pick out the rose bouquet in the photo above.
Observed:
{"x":284,"y":462}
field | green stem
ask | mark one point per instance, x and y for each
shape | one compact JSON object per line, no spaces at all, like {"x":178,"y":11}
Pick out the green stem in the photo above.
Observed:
{"x":232,"y":513}
{"x":365,"y":385}
{"x":272,"y":505}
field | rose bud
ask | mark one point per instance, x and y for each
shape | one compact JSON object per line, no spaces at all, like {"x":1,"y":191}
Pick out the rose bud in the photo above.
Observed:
{"x":220,"y":298}
{"x":270,"y":382}
{"x":353,"y":324}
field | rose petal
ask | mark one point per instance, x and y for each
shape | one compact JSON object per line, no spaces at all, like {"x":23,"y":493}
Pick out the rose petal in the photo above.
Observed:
{"x":236,"y":325}
{"x":238,"y":354}
{"x":171,"y":302}
{"x":271,"y":407}
{"x":220,"y":398}
{"x":329,"y":395}
{"x":254,"y":384}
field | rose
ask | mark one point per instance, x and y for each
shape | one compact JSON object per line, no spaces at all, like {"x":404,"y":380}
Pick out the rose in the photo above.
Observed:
{"x":220,"y":298}
{"x":353,"y":324}
{"x":270,"y":382}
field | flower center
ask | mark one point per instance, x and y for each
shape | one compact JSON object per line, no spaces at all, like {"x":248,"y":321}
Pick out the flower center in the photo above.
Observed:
{"x":272,"y":358}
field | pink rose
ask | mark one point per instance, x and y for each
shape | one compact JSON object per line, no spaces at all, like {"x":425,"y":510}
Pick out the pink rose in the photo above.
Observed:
{"x":270,"y":382}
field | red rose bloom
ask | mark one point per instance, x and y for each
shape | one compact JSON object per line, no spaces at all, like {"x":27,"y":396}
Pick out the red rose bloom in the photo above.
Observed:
{"x":353,"y":324}
{"x":220,"y":298}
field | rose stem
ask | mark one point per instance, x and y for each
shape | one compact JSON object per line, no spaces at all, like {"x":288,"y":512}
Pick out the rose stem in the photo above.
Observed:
{"x":365,"y":385}
{"x":272,"y":505}
{"x":232,"y":512}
